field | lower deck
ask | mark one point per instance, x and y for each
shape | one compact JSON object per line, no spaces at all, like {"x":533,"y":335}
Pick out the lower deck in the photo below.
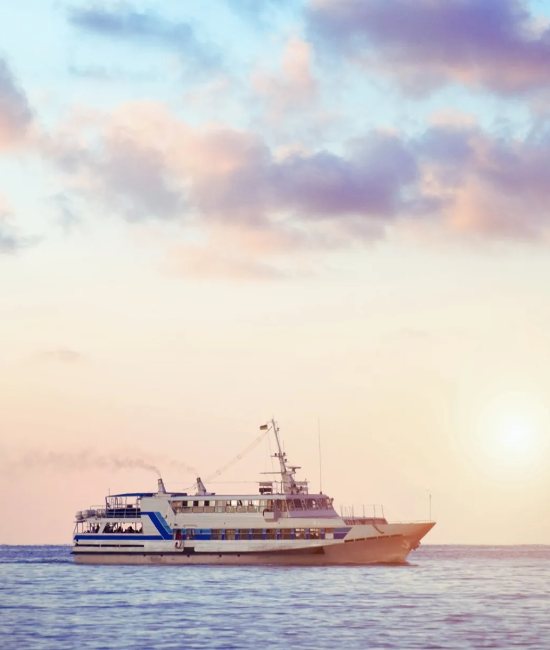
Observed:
{"x":386,"y":550}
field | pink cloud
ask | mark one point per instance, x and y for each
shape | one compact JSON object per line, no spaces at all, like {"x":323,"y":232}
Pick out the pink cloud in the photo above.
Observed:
{"x":493,"y":187}
{"x":294,"y":86}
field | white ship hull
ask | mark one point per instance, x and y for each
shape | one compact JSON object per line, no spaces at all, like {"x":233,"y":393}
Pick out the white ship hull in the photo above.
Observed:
{"x":392,"y":547}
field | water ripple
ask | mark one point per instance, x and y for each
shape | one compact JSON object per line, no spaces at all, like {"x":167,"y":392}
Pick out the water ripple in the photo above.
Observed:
{"x":447,"y":597}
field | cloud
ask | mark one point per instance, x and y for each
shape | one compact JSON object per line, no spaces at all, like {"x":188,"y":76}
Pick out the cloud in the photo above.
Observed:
{"x":489,"y":186}
{"x":496,"y":45}
{"x":15,"y":112}
{"x":103,"y":73}
{"x":67,"y":216}
{"x":10,"y":241}
{"x":110,"y":163}
{"x":147,"y":28}
{"x":143,"y":162}
{"x":60,"y":355}
{"x":212,"y":262}
{"x":294,"y":86}
{"x":133,"y":178}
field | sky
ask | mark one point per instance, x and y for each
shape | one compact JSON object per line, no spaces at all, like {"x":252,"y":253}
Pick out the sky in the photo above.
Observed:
{"x":331,"y":212}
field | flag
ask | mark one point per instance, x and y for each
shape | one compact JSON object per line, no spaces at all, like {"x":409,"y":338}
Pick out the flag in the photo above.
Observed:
{"x":264,"y":427}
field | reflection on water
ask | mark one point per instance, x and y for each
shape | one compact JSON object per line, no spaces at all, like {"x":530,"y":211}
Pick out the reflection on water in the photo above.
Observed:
{"x":446,"y":597}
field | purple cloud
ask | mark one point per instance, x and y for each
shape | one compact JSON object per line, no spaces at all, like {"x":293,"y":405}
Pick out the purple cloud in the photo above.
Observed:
{"x":424,"y":44}
{"x":496,"y":187}
{"x":459,"y":178}
{"x":373,"y":179}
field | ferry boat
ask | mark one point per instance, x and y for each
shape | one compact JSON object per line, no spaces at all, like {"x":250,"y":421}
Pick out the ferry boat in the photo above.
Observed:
{"x":283,"y":523}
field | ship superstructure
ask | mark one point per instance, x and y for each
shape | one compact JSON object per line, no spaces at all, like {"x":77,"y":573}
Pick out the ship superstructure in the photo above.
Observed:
{"x":281,"y":524}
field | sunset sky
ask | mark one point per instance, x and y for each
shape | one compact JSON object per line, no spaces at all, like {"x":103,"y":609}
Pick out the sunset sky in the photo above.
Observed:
{"x":334,"y":212}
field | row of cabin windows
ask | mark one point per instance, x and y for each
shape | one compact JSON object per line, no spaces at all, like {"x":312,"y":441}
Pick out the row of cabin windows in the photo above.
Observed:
{"x":251,"y":533}
{"x":251,"y":505}
{"x":115,"y":528}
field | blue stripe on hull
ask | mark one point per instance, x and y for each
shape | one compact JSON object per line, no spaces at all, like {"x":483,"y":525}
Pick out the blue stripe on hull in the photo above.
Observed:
{"x":124,"y":536}
{"x":160,"y":524}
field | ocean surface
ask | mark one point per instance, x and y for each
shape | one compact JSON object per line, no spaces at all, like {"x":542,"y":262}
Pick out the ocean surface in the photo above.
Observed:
{"x":446,"y":597}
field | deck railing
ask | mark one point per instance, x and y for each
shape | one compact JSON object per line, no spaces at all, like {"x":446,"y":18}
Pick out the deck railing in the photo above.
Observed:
{"x":368,"y":511}
{"x":100,"y":512}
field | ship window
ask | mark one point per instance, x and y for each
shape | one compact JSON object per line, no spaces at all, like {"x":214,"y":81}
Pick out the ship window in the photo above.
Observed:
{"x":286,"y":533}
{"x":300,"y":533}
{"x":257,"y":533}
{"x":297,"y":504}
{"x":230,"y":533}
{"x":271,"y":533}
{"x":314,"y":533}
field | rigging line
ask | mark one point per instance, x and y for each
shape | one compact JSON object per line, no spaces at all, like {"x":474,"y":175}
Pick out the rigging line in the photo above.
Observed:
{"x":238,"y":457}
{"x":270,"y":454}
{"x":227,"y":482}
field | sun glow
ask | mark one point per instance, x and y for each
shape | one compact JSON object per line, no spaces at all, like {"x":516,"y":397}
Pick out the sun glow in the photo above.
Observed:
{"x":511,"y":432}
{"x":516,"y":436}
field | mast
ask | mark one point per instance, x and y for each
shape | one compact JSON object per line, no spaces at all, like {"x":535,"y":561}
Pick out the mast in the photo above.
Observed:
{"x":288,"y":484}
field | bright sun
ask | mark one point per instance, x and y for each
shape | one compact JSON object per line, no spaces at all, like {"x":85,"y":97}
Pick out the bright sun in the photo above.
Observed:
{"x":511,"y":433}
{"x":516,"y":436}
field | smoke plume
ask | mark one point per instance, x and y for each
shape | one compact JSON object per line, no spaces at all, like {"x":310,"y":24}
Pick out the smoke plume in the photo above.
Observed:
{"x":86,"y":459}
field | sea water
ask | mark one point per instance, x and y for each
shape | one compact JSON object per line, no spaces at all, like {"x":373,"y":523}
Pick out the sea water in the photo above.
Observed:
{"x":445,"y":597}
